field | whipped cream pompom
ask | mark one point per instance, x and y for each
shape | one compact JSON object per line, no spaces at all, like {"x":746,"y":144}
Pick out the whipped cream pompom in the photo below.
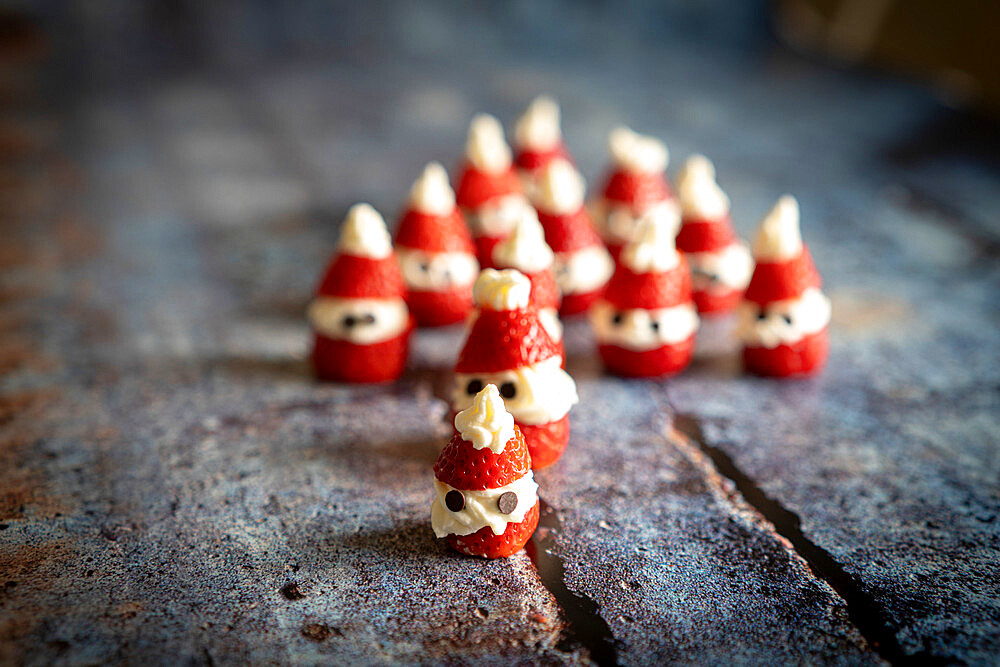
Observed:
{"x":779,"y":238}
{"x":486,"y":423}
{"x":485,"y":148}
{"x":636,"y":152}
{"x":538,"y":127}
{"x":431,"y":193}
{"x":559,"y":188}
{"x":700,"y":196}
{"x":525,"y":249}
{"x":654,"y":248}
{"x":501,"y":290}
{"x":364,"y":233}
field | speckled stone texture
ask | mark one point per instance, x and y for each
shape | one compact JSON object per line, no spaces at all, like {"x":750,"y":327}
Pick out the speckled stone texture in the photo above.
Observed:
{"x":175,"y":488}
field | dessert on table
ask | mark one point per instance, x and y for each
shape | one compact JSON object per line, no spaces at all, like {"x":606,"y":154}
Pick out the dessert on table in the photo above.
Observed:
{"x":435,"y":252}
{"x":582,"y":263}
{"x":636,"y":183}
{"x":489,"y":190}
{"x":538,"y":138}
{"x":359,"y":316}
{"x":485,"y":495}
{"x":645,"y":323}
{"x":720,"y":262}
{"x":508,"y":346}
{"x":784,"y":316}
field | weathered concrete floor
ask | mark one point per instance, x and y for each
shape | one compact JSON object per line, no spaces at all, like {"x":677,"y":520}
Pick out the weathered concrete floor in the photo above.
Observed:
{"x":174,"y":486}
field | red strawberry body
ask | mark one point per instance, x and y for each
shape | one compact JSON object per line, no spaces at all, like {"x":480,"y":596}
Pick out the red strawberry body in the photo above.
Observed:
{"x":546,"y":442}
{"x":716,"y":302}
{"x":530,"y":160}
{"x":485,"y":245}
{"x":663,"y":361}
{"x":804,"y":357}
{"x":579,"y":302}
{"x":440,"y":308}
{"x":485,"y":544}
{"x":343,"y":361}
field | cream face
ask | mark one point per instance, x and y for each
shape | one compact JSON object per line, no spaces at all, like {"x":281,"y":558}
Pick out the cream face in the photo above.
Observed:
{"x":537,"y":394}
{"x":433,"y":271}
{"x":639,"y":329}
{"x":722,"y":271}
{"x":583,"y":271}
{"x":481,"y":508}
{"x":359,"y":321}
{"x":619,"y":223}
{"x":497,"y":217}
{"x":784,"y":322}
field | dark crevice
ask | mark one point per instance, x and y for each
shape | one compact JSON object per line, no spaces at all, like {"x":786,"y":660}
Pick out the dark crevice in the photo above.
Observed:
{"x":585,"y":628}
{"x":862,"y":609}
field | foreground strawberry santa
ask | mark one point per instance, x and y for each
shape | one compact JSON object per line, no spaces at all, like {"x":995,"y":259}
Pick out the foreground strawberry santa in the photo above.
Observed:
{"x":720,"y":262}
{"x":526,"y":250}
{"x":582,"y":263}
{"x":636,"y":184}
{"x":508,"y":346}
{"x":489,"y":191}
{"x":784,"y":317}
{"x":538,"y":138}
{"x":435,"y":252}
{"x":359,"y":316}
{"x":645,"y":325}
{"x":486,"y":498}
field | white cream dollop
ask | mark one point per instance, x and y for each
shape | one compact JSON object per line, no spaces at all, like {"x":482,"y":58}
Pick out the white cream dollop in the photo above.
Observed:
{"x":543,"y":392}
{"x":779,"y":238}
{"x":654,"y":249}
{"x":583,"y":270}
{"x":364,"y":233}
{"x":481,"y":508}
{"x":485,"y":148}
{"x":538,"y":127}
{"x":359,"y":321}
{"x":633,"y":329}
{"x":431,"y":193}
{"x":486,"y":423}
{"x":508,"y":289}
{"x":559,"y":188}
{"x":700,"y":196}
{"x":784,"y":322}
{"x":525,"y":249}
{"x":636,"y":152}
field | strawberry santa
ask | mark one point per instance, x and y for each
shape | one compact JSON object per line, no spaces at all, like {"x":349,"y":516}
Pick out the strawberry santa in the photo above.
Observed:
{"x":486,"y":498}
{"x":538,"y":138}
{"x":636,"y":183}
{"x":359,"y":316}
{"x":489,"y":191}
{"x":509,"y":347}
{"x":526,"y":250}
{"x":582,"y":263}
{"x":784,"y":316}
{"x":435,"y":251}
{"x":720,"y":262}
{"x":646,"y":322}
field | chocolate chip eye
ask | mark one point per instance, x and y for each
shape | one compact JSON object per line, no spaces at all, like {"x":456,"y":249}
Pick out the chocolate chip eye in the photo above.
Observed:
{"x":474,"y":387}
{"x":617,"y":319}
{"x":349,"y":321}
{"x":655,"y":326}
{"x":455,"y":501}
{"x":507,"y":502}
{"x":787,"y":318}
{"x":425,"y":267}
{"x":368,"y":319}
{"x":762,"y":315}
{"x":508,"y":390}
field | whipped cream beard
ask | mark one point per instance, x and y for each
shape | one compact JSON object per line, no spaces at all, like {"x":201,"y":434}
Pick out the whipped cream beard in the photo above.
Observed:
{"x":549,"y":317}
{"x":498,"y":216}
{"x":432,"y":271}
{"x":640,"y":330}
{"x":723,"y":271}
{"x":537,"y":394}
{"x":784,"y":322}
{"x":460,"y":512}
{"x":620,"y":222}
{"x":358,"y":321}
{"x":583,"y":270}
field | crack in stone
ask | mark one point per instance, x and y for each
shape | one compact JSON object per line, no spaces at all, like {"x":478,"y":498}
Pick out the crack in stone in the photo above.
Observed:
{"x":862,"y":609}
{"x":585,"y":627}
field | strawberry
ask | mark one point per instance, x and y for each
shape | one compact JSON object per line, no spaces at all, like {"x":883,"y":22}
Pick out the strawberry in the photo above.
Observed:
{"x":568,"y":233}
{"x":485,"y":245}
{"x":546,"y":442}
{"x":530,"y":160}
{"x":487,"y":545}
{"x":628,"y":289}
{"x":476,"y":188}
{"x":705,"y":235}
{"x":441,"y":308}
{"x":709,"y":303}
{"x":665,"y":361}
{"x":640,"y":190}
{"x":579,"y":302}
{"x":343,"y":361}
{"x":464,"y":467}
{"x":434,"y":233}
{"x":776,"y":281}
{"x":502,"y":340}
{"x":804,"y":357}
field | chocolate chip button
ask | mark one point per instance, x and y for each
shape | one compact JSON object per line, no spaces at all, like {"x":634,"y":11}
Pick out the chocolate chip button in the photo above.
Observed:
{"x":655,"y":326}
{"x":508,"y":390}
{"x":474,"y":387}
{"x":788,"y":319}
{"x":349,"y":321}
{"x":617,"y":319}
{"x":368,"y":319}
{"x":762,"y":315}
{"x":507,"y":502}
{"x":455,"y":501}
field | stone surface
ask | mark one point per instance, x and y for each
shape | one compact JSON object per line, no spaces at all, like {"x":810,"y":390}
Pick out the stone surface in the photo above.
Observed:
{"x":174,"y":486}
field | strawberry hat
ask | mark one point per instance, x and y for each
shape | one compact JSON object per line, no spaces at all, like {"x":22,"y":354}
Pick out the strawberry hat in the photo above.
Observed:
{"x":637,"y":178}
{"x":706,"y":224}
{"x":506,"y":333}
{"x":431,"y":220}
{"x":488,"y":171}
{"x":651,"y":274}
{"x":784,"y":266}
{"x":365,"y":266}
{"x":537,"y":136}
{"x":526,"y":250}
{"x":558,"y":194}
